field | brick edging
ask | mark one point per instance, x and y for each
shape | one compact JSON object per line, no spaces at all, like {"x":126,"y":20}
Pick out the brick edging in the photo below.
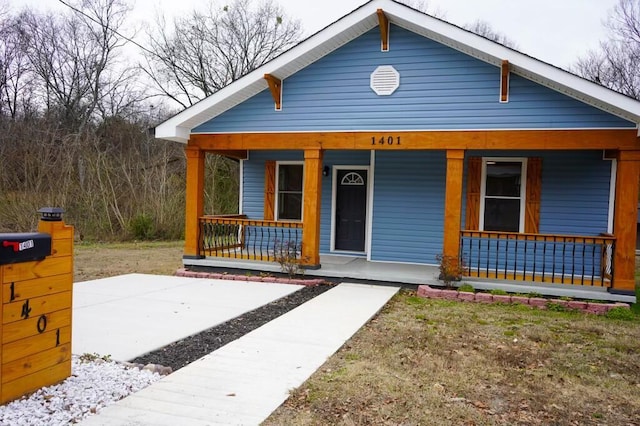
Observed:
{"x":182,"y":272}
{"x":537,"y":302}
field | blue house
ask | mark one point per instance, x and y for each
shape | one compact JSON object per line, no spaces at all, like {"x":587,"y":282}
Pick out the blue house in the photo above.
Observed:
{"x":394,"y":138}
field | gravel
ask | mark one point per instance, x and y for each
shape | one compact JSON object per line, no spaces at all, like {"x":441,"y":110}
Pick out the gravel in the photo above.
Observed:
{"x":96,"y":381}
{"x":93,"y":384}
{"x":178,"y":354}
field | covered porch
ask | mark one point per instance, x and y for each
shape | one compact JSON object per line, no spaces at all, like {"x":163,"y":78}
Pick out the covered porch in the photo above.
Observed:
{"x":601,"y":262}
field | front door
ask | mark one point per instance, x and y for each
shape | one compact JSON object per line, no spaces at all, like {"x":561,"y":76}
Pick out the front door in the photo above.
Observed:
{"x":351,"y":210}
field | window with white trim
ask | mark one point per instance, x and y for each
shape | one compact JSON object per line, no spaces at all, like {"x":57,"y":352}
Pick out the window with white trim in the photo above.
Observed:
{"x":289,"y":196}
{"x":503,"y":195}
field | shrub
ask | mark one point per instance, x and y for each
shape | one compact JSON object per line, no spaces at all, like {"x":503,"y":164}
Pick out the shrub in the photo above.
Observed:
{"x":498,"y":292}
{"x":142,"y":227}
{"x":467,"y":288}
{"x":287,"y":254}
{"x":620,"y":313}
{"x":451,"y":269}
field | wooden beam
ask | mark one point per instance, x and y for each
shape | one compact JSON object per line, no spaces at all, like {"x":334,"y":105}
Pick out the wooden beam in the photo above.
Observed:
{"x":383,"y":22}
{"x":311,"y":208}
{"x":625,"y":220}
{"x":241,"y":154}
{"x":426,"y":140}
{"x":504,"y":81}
{"x":194,"y":201}
{"x":275,"y":86}
{"x":453,"y":203}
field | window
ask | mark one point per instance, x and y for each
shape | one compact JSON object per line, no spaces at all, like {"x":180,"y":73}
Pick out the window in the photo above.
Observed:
{"x":503,"y":195}
{"x":289,"y":197}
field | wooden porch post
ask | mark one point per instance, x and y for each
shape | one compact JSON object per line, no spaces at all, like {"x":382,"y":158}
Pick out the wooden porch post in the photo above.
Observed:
{"x":194,"y":201}
{"x":311,"y":208}
{"x":453,"y":203}
{"x":625,"y":218}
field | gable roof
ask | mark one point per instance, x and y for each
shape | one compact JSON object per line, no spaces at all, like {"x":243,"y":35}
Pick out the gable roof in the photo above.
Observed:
{"x":363,"y":19}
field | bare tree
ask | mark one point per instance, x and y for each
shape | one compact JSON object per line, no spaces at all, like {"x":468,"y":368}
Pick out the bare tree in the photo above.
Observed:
{"x":75,"y":57}
{"x":209,"y":49}
{"x":616,"y":64}
{"x":485,"y":29}
{"x":425,"y":7}
{"x":15,"y":70}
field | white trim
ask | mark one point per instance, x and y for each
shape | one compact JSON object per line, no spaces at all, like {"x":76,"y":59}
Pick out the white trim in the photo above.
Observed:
{"x":241,"y":190}
{"x":612,"y":194}
{"x":514,"y":129}
{"x":277,"y":191}
{"x":372,"y":170}
{"x":363,"y":19}
{"x":523,"y":186}
{"x":334,"y":189}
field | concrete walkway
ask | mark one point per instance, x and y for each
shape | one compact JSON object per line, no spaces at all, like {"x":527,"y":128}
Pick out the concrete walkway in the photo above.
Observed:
{"x":243,"y":382}
{"x":130,"y":315}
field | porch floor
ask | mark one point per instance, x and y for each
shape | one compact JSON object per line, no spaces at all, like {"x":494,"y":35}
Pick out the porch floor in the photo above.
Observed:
{"x":338,"y":267}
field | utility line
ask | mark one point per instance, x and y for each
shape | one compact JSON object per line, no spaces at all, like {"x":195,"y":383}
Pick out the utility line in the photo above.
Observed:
{"x":116,"y":32}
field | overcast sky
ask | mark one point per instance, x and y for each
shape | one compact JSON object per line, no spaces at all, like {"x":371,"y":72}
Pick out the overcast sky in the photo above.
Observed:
{"x":555,"y":31}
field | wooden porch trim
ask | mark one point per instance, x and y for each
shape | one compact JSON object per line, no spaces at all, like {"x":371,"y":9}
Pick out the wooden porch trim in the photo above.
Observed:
{"x":424,"y":140}
{"x":275,"y":87}
{"x":504,"y":81}
{"x":453,"y":203}
{"x":625,"y":219}
{"x":236,"y":155}
{"x":383,"y":22}
{"x":312,"y":201}
{"x":194,"y":200}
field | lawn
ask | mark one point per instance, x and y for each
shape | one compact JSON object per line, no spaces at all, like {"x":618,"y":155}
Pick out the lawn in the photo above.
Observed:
{"x":93,"y":261}
{"x":422,"y":362}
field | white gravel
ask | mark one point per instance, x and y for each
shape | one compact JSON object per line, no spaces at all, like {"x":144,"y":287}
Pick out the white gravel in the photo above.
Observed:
{"x":92,"y":385}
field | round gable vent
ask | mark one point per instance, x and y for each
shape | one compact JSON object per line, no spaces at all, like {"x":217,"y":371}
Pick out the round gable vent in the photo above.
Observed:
{"x":385,"y":80}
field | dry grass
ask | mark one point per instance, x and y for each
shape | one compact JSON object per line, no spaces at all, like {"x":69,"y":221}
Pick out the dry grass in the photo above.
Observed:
{"x":94,"y":261}
{"x":423,"y":362}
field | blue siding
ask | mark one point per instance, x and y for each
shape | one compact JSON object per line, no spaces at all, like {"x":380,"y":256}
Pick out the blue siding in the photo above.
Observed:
{"x":253,"y":179}
{"x":575,"y":190}
{"x":408,"y":212}
{"x":440,"y":88}
{"x":408,"y":205}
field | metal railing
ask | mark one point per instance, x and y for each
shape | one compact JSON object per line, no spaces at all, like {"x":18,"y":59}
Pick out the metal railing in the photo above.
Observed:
{"x":236,"y":237}
{"x":561,"y":259}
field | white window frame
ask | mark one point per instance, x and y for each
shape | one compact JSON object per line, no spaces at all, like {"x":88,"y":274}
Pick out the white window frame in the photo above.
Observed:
{"x":277,"y":190}
{"x":334,"y":194}
{"x":523,"y":186}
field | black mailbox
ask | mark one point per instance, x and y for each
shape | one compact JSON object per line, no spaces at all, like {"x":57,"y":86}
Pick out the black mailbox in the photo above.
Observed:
{"x":25,"y":247}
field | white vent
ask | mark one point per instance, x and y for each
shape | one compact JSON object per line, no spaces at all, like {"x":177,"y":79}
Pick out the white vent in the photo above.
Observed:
{"x":385,"y":80}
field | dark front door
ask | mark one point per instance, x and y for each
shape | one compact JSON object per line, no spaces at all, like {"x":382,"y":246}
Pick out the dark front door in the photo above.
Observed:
{"x":351,"y":210}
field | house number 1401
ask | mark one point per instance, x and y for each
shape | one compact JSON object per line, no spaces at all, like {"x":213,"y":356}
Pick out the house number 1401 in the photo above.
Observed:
{"x":390,"y":140}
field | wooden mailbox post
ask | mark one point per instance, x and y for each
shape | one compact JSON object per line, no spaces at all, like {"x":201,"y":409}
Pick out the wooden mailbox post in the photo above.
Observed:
{"x":36,"y":274}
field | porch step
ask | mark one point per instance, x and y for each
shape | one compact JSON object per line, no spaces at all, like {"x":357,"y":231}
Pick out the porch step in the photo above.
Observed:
{"x":244,"y":381}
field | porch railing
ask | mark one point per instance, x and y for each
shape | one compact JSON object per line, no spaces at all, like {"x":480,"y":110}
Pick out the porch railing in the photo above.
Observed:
{"x":236,"y":237}
{"x":561,"y":259}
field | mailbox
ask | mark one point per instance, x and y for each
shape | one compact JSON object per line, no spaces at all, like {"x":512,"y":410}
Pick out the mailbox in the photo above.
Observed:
{"x":36,"y":283}
{"x":24,"y":247}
